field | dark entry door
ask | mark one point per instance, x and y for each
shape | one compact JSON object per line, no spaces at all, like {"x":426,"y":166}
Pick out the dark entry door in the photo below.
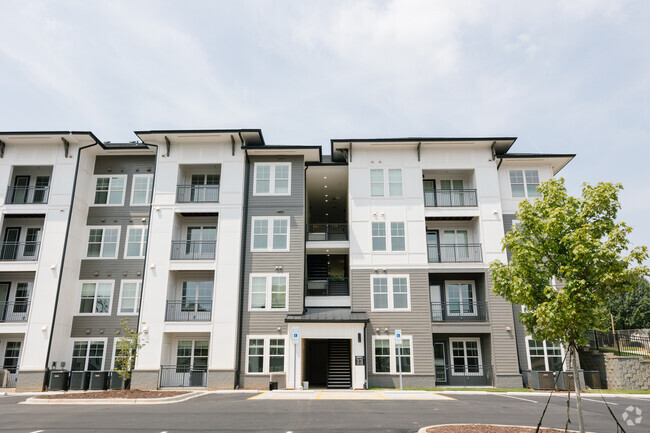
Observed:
{"x":433,"y":245}
{"x":21,"y":189}
{"x":10,"y":243}
{"x":4,"y":298}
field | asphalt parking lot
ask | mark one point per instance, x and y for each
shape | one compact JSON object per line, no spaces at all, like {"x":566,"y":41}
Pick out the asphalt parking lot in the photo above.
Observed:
{"x":236,"y":412}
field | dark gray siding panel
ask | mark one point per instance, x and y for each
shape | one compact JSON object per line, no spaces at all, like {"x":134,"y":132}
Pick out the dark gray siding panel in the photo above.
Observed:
{"x":503,"y":341}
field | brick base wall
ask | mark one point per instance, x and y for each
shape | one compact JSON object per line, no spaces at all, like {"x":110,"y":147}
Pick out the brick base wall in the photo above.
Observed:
{"x":618,"y":372}
{"x":145,"y":380}
{"x":30,"y":381}
{"x":221,"y":379}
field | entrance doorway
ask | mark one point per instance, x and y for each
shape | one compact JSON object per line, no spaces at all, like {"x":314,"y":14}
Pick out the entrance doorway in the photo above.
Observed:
{"x":328,"y":363}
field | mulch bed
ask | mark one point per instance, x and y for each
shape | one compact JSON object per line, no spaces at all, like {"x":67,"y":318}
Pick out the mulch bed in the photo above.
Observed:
{"x":484,"y":428}
{"x":123,"y":393}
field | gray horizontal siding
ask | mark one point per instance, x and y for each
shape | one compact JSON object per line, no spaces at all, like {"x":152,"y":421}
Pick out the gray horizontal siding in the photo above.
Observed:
{"x":503,"y":341}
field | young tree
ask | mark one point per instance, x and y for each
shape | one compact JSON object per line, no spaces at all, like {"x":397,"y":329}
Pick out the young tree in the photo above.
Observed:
{"x":126,"y":350}
{"x":568,"y":259}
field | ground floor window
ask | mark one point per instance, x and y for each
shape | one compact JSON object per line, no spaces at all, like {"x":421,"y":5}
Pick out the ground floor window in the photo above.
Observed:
{"x":386,"y":354}
{"x":12,"y":355}
{"x":192,"y":355}
{"x":87,"y":355}
{"x":544,"y":355}
{"x":265,"y":354}
{"x":466,"y":357}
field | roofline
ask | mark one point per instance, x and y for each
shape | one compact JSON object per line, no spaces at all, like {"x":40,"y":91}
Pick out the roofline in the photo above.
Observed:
{"x":93,"y":136}
{"x":199,"y":131}
{"x":538,"y":155}
{"x":412,"y":139}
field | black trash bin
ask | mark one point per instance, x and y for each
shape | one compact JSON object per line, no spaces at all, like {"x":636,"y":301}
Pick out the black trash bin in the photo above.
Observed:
{"x":98,"y":380}
{"x":117,"y":382}
{"x":79,"y":380}
{"x":58,"y":380}
{"x":273,"y":386}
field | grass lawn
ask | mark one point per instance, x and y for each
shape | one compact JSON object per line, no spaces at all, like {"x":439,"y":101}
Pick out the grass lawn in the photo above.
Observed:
{"x":617,"y":391}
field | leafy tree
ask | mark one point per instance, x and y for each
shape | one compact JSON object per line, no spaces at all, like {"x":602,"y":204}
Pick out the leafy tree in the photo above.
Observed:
{"x":631,"y":309}
{"x":127,"y":348}
{"x":568,"y":259}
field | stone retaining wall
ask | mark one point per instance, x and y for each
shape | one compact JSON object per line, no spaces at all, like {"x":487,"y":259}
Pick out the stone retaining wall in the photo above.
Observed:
{"x":618,"y":372}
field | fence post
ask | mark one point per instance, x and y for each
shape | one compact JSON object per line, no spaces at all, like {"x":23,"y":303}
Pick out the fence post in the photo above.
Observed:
{"x":617,"y":344}
{"x":596,"y":339}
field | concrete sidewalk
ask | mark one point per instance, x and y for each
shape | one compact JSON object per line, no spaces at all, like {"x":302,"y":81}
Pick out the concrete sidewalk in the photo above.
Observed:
{"x":349,"y":395}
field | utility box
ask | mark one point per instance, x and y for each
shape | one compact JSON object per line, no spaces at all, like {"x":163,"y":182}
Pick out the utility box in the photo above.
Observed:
{"x":541,"y":380}
{"x":592,"y":379}
{"x":98,"y":380}
{"x":79,"y":380}
{"x":58,"y":380}
{"x":565,"y":381}
{"x":117,"y":382}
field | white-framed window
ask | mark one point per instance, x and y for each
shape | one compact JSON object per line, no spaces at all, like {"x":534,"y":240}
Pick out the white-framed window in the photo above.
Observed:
{"x":103,"y":242}
{"x":461,"y":298}
{"x":397,"y":236}
{"x":268,"y":292}
{"x":390,"y":293}
{"x":136,"y":242}
{"x":524,"y":183}
{"x":117,"y":353}
{"x":380,"y":238}
{"x":141,"y":189}
{"x":96,"y":297}
{"x":544,"y":355}
{"x":88,"y":354}
{"x":272,"y":178}
{"x":466,"y":357}
{"x":12,"y":356}
{"x":109,"y":190}
{"x":266,"y":354}
{"x":192,"y":355}
{"x":270,"y":234}
{"x":385,"y":355}
{"x":130,"y":292}
{"x":380,"y":182}
{"x":21,"y":297}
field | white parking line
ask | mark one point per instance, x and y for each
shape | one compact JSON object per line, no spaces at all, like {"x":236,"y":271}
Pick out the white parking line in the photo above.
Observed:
{"x":38,"y":431}
{"x":600,"y":401}
{"x":517,"y":398}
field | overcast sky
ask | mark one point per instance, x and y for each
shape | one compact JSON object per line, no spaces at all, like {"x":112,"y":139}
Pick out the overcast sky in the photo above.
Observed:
{"x":566,"y":76}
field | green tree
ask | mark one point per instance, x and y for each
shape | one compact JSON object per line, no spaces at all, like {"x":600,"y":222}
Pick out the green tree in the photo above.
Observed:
{"x":126,"y":350}
{"x":631,"y":309}
{"x":568,"y":260}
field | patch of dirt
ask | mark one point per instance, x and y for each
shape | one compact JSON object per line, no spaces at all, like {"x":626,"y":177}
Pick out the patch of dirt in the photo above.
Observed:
{"x":484,"y":428}
{"x":114,"y":393}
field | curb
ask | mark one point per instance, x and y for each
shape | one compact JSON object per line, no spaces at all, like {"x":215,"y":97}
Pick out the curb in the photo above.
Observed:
{"x":424,"y":429}
{"x":163,"y":400}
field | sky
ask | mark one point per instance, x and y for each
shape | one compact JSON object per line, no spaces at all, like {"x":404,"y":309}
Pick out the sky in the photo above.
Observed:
{"x":562,"y":76}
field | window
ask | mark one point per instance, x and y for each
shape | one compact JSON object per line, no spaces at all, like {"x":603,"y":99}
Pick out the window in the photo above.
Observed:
{"x":270,"y":234}
{"x":390,"y":293}
{"x":12,"y":356}
{"x":377,"y":182}
{"x":466,"y":357}
{"x":544,"y":355}
{"x":451,"y":193}
{"x":109,"y":190}
{"x":397,"y":236}
{"x":196,"y":296}
{"x":32,"y":241}
{"x":21,"y":298}
{"x":461,"y":298}
{"x":142,"y":189}
{"x":456,"y":246}
{"x":386,"y":355}
{"x":379,"y":236}
{"x":41,"y":189}
{"x":96,"y":297}
{"x":268,"y":291}
{"x":87,"y":355}
{"x":192,"y":355}
{"x":130,"y":297}
{"x":117,"y":354}
{"x":265,"y":354}
{"x":102,"y":242}
{"x":136,"y":242}
{"x":272,"y":178}
{"x":524,"y":183}
{"x":204,"y":188}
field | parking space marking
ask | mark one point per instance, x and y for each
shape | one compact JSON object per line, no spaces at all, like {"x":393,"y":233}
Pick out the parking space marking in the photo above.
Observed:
{"x":38,"y":431}
{"x":516,"y":398}
{"x":258,"y":395}
{"x":381,"y":395}
{"x":444,"y":396}
{"x":319,"y":395}
{"x":599,"y":401}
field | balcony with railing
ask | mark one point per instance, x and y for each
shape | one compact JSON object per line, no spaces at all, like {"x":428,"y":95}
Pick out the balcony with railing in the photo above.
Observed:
{"x":327,"y":232}
{"x":460,"y":311}
{"x":464,"y":375}
{"x":188,"y":311}
{"x":183,"y":376}
{"x":450,"y":198}
{"x":27,"y":194}
{"x":19,"y":251}
{"x":455,"y":253}
{"x":193,"y":250}
{"x":330,"y":286}
{"x":197,"y":194}
{"x":14,"y":311}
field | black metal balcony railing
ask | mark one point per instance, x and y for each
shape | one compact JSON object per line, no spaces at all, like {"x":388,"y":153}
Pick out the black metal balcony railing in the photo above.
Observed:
{"x":464,"y":375}
{"x":13,"y":377}
{"x":19,"y":251}
{"x":463,"y":311}
{"x":188,"y":311}
{"x":332,"y":286}
{"x":327,"y":232}
{"x":450,"y":198}
{"x":454,"y":253}
{"x":193,"y":250}
{"x":27,"y":194}
{"x":197,"y":193}
{"x":183,"y":376}
{"x":15,"y":311}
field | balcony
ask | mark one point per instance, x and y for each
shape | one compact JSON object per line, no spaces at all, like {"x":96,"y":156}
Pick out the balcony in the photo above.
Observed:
{"x":19,"y":251}
{"x":183,"y":376}
{"x":455,"y":253}
{"x":16,"y":311}
{"x":464,"y":375}
{"x":330,"y":286}
{"x":327,"y":232}
{"x":197,"y":194}
{"x":193,"y":250}
{"x":188,"y":311}
{"x":450,"y":198}
{"x":27,"y":194}
{"x":464,"y":311}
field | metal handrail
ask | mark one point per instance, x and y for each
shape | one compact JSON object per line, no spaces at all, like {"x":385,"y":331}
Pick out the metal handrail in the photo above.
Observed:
{"x":454,"y":253}
{"x":464,"y":375}
{"x":19,"y":251}
{"x":183,"y":376}
{"x":14,"y":311}
{"x":327,"y":232}
{"x":197,"y":193}
{"x":451,"y":198}
{"x":331,"y":286}
{"x":188,"y":311}
{"x":193,"y":250}
{"x":27,"y":194}
{"x":462,"y":311}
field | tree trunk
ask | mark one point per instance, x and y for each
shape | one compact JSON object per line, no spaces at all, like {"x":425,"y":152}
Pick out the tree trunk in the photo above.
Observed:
{"x":576,"y":383}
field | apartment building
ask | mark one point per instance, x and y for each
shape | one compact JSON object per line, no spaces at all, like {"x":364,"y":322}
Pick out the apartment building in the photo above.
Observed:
{"x":244,"y":263}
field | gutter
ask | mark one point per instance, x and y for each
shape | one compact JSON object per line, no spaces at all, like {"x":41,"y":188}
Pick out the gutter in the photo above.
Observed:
{"x":500,"y":161}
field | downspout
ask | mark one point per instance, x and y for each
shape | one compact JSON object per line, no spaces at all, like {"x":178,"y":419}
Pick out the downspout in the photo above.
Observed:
{"x":499,"y":164}
{"x":365,"y":354}
{"x":242,"y":273}
{"x":65,"y":247}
